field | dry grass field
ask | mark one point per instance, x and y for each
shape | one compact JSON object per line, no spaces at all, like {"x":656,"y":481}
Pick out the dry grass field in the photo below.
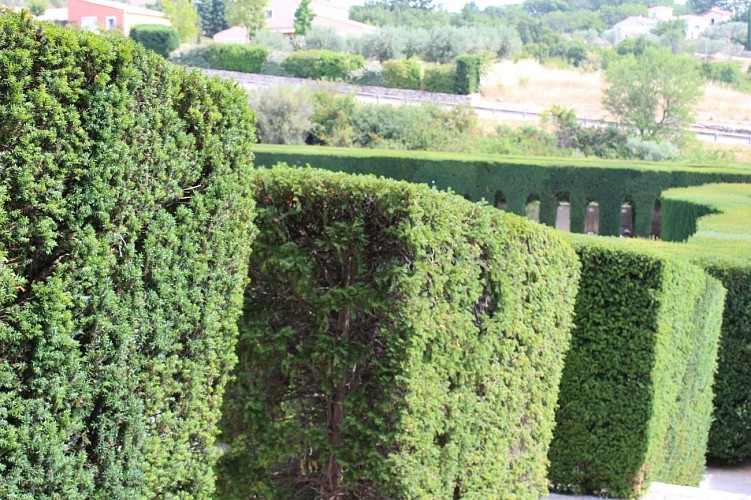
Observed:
{"x":528,"y":86}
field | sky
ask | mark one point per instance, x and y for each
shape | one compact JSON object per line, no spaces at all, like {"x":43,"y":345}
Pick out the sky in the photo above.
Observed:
{"x":456,"y":5}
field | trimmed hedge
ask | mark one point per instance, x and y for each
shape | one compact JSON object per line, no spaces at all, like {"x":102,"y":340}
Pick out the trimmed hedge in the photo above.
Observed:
{"x":476,"y":177}
{"x":636,"y":393}
{"x":236,"y":57}
{"x":161,"y":39}
{"x":439,"y":78}
{"x":401,"y":340}
{"x":125,"y":222}
{"x":722,"y":244}
{"x":322,"y":64}
{"x":402,"y":73}
{"x":468,"y":72}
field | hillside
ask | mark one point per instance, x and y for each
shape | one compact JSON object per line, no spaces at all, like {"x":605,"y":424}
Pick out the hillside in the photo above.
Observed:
{"x":529,"y":86}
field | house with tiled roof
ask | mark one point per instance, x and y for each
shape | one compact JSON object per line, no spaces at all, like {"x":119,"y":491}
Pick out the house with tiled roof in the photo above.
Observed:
{"x":99,"y":15}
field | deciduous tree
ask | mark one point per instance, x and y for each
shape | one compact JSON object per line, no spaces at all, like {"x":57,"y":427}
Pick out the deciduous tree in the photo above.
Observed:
{"x":183,"y":16}
{"x":213,"y":16}
{"x":248,"y":13}
{"x":653,"y":93}
{"x":303,"y":18}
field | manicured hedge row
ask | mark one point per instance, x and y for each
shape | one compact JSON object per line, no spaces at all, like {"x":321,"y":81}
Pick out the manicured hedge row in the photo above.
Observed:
{"x":322,"y":64}
{"x":161,"y":39}
{"x":124,"y":234}
{"x":403,"y":74}
{"x":439,"y":78}
{"x":468,"y":72}
{"x":636,"y":399}
{"x":397,"y":342}
{"x":517,"y":179}
{"x":236,"y":57}
{"x":722,"y":244}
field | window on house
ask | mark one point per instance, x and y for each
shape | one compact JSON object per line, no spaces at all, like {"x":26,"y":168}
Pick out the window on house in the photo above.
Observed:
{"x":110,"y":22}
{"x":89,"y":23}
{"x":269,"y":14}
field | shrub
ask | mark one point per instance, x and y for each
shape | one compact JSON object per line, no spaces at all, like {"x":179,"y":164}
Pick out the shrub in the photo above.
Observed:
{"x":468,"y":71}
{"x":383,"y":45}
{"x":274,"y":40}
{"x":439,"y":78}
{"x":322,"y":64}
{"x":125,"y":223}
{"x":371,"y":74}
{"x":730,"y":436}
{"x":324,"y":38}
{"x":725,"y":72}
{"x":236,"y":57}
{"x":643,"y":149}
{"x":477,"y":176}
{"x":402,"y":74}
{"x":408,"y":127}
{"x":194,"y":57}
{"x":714,"y":218}
{"x":283,"y":114}
{"x":160,"y":39}
{"x":636,"y":393}
{"x":274,"y":64}
{"x":398,"y":342}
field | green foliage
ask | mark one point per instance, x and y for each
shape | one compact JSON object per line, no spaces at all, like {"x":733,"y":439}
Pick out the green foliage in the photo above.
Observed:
{"x":291,"y":115}
{"x":248,"y":13}
{"x":304,"y":16}
{"x":284,"y":114}
{"x":323,"y":37}
{"x":322,"y":64}
{"x":236,"y":57}
{"x":636,"y":393}
{"x":725,"y":72}
{"x":654,"y":93}
{"x":468,"y":71}
{"x":125,"y":224}
{"x":403,"y":73}
{"x":274,"y":40}
{"x":183,"y":16}
{"x":38,"y":7}
{"x":730,"y":438}
{"x":160,"y":39}
{"x":439,"y":78}
{"x":398,"y":342}
{"x":213,"y":16}
{"x":715,"y":220}
{"x":479,"y":176}
{"x":371,"y":74}
{"x":650,"y":150}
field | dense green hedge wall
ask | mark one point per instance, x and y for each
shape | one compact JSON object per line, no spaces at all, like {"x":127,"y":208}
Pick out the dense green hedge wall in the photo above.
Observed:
{"x":161,"y":39}
{"x":722,"y":244}
{"x":236,"y":57}
{"x":439,"y":78}
{"x":401,"y":339}
{"x":124,"y":234}
{"x":730,"y":437}
{"x":518,"y":178}
{"x":636,"y":397}
{"x":468,"y":69}
{"x":403,"y":73}
{"x":322,"y":64}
